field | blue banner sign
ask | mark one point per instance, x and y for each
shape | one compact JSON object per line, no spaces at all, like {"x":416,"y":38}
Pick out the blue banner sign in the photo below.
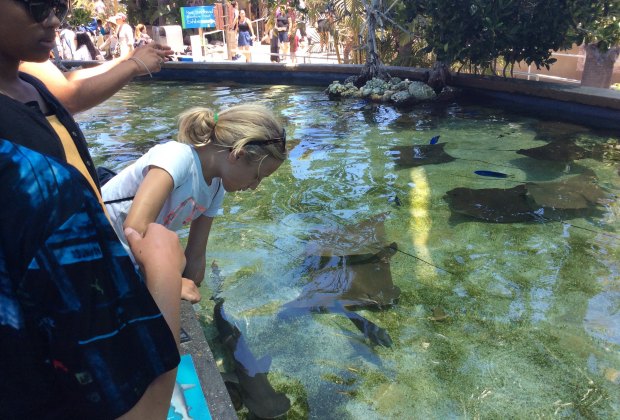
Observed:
{"x":197,"y":17}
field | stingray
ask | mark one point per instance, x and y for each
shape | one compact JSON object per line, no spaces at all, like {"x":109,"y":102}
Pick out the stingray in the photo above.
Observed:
{"x":248,"y":383}
{"x":557,"y":151}
{"x":568,"y":152}
{"x":573,"y":193}
{"x":557,"y":131}
{"x":497,"y":205}
{"x":354,"y":280}
{"x":570,"y":197}
{"x":424,"y":154}
{"x":345,"y":276}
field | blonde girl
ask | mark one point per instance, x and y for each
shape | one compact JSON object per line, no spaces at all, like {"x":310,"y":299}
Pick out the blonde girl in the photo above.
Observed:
{"x":183,"y":182}
{"x":140,"y":36}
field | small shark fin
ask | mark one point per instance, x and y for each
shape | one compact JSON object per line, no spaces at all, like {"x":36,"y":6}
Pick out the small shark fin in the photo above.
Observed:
{"x":185,"y":387}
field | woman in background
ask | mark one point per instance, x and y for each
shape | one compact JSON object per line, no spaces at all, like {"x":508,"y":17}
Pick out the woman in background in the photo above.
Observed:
{"x":323,"y":28}
{"x":85,"y":48}
{"x":246,"y":35}
{"x":283,"y":25}
{"x":108,"y":45}
{"x":124,"y":35}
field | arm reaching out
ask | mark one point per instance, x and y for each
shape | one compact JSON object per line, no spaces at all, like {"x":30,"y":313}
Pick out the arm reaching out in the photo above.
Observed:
{"x":148,"y":202}
{"x":82,"y":89}
{"x":161,"y":258}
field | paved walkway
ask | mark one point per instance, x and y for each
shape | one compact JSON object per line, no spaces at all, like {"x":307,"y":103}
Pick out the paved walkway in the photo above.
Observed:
{"x":262,"y":54}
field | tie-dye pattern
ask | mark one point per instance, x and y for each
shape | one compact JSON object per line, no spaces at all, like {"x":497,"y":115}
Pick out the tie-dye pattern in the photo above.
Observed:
{"x":75,"y":316}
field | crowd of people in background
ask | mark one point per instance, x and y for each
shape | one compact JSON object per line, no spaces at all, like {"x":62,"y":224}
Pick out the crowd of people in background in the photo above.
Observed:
{"x":287,"y":35}
{"x":99,"y":40}
{"x":112,"y":37}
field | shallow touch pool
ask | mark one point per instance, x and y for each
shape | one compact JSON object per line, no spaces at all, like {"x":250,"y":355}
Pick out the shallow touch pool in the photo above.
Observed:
{"x":494,"y":320}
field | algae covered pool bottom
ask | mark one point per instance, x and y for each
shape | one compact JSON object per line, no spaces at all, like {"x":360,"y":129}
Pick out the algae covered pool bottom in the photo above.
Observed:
{"x":491,"y":320}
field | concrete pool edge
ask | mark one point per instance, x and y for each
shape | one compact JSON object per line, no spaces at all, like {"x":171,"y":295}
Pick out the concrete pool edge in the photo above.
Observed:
{"x":592,"y":106}
{"x":213,"y":388}
{"x":595,"y":107}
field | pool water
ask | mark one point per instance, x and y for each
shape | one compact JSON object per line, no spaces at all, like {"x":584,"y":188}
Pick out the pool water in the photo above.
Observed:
{"x":494,"y":320}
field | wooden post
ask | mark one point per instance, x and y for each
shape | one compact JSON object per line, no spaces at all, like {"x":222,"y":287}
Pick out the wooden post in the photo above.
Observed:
{"x":202,"y":42}
{"x":227,"y":31}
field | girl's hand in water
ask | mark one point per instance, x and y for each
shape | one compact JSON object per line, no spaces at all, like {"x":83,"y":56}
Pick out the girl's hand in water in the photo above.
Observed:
{"x":189,"y":291}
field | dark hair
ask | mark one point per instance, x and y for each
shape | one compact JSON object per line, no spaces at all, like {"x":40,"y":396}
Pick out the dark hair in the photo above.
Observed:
{"x":83,"y":38}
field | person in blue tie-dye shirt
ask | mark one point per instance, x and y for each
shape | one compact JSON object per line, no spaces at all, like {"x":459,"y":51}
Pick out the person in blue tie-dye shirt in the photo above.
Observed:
{"x":80,"y":334}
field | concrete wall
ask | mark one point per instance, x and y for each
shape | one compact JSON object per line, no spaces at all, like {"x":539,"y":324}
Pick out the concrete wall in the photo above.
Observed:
{"x":569,"y":66}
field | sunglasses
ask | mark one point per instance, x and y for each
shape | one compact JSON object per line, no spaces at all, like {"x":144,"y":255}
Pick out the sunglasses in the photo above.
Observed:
{"x":281,"y":139}
{"x":41,"y":9}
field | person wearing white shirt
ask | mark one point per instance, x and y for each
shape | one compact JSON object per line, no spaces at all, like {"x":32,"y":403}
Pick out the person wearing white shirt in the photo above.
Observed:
{"x":124,"y":34}
{"x":85,"y":48}
{"x":182,"y":184}
{"x":67,"y":42}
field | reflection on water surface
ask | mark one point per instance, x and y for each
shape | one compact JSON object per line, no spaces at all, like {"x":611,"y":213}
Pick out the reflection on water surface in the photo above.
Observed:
{"x":516,"y":319}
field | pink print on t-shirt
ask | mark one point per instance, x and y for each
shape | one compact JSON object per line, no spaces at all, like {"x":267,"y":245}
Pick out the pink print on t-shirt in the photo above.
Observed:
{"x":196,"y":210}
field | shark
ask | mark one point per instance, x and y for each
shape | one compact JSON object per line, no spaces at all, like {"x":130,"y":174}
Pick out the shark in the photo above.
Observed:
{"x":249,"y":377}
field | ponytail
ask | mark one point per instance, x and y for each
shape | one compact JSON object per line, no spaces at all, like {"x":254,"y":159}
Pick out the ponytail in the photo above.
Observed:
{"x":196,"y":126}
{"x":253,"y":128}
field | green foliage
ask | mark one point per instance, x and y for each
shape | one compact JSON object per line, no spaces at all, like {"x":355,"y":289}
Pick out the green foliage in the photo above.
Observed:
{"x":79,"y":17}
{"x":481,"y":32}
{"x":596,"y":22}
{"x":158,"y":12}
{"x":485,"y":34}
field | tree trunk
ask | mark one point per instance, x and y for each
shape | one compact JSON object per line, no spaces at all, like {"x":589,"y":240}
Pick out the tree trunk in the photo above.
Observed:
{"x":599,"y":66}
{"x":439,"y":76}
{"x":372,"y":68}
{"x":336,"y":36}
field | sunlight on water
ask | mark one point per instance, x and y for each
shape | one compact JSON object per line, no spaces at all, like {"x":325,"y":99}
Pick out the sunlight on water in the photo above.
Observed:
{"x":494,"y":320}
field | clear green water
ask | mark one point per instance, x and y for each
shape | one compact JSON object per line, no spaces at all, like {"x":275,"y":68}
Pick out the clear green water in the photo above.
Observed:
{"x":533,"y":309}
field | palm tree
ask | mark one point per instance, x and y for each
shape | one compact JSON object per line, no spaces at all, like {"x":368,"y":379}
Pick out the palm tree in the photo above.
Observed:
{"x":373,"y":67}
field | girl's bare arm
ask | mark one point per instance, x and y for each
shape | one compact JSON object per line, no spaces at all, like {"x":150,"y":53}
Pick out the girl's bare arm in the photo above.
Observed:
{"x":196,"y":249}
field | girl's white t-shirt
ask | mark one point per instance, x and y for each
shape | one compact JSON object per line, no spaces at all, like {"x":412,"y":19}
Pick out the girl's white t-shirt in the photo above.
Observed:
{"x":82,"y":53}
{"x":190,"y":198}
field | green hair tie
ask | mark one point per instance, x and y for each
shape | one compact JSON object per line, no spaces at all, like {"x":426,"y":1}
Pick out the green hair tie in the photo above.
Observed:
{"x":215,"y":118}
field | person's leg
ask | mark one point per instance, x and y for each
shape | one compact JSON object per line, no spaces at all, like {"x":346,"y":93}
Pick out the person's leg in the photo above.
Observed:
{"x":323,"y":36}
{"x":293,"y":46}
{"x":284,"y":45}
{"x":247,"y":53}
